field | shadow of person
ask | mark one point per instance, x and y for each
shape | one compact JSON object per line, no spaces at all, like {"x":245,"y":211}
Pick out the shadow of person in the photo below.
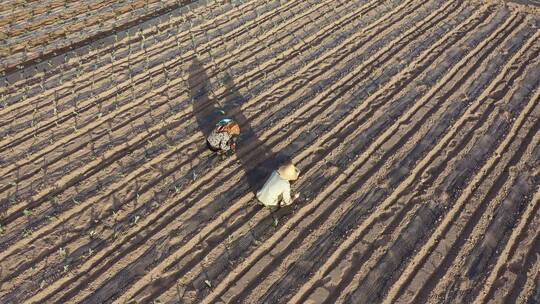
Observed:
{"x":207,"y":113}
{"x":206,"y":109}
{"x":259,"y":168}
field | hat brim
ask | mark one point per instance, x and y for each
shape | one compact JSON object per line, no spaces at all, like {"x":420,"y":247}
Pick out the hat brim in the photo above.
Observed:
{"x":289,"y":173}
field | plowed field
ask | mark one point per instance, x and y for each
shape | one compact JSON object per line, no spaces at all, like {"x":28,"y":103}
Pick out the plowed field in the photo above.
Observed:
{"x":415,"y":125}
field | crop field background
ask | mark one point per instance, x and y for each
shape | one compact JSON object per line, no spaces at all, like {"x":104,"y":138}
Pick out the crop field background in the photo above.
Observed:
{"x":415,"y":125}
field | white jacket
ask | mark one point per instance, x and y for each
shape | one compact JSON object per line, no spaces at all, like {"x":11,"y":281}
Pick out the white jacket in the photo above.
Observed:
{"x":274,"y":191}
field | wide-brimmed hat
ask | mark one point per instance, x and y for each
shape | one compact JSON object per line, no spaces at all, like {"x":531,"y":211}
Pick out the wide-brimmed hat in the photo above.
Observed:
{"x":288,"y":172}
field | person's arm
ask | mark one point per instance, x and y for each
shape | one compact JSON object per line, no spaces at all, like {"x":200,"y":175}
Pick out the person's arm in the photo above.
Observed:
{"x":286,"y":196}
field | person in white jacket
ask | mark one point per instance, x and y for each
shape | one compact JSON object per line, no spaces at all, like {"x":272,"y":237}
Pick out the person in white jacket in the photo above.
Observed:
{"x":276,"y":191}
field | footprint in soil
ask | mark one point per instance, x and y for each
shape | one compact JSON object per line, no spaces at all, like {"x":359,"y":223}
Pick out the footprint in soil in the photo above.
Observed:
{"x":207,"y":113}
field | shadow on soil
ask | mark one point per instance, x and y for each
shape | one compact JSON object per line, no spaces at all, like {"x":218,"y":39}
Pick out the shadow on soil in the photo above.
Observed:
{"x":207,"y":114}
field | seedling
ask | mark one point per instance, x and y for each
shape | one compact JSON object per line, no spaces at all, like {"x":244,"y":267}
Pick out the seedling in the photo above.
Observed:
{"x":27,"y":232}
{"x":62,"y":252}
{"x":92,"y":234}
{"x":208,"y":283}
{"x":52,"y":218}
{"x":2,"y":230}
{"x":27,"y":212}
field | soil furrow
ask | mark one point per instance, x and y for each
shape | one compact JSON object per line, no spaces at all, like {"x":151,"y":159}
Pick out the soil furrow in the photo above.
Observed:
{"x":436,"y":208}
{"x":57,"y":157}
{"x":127,"y":38}
{"x":517,"y":233}
{"x":477,"y":257}
{"x":373,"y":191}
{"x":414,"y":173}
{"x":338,"y":180}
{"x":170,"y":45}
{"x":457,"y":206}
{"x":414,"y":124}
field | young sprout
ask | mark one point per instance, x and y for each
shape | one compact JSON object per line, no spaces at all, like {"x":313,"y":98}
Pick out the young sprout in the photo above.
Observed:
{"x":27,"y":212}
{"x":27,"y":232}
{"x":208,"y":283}
{"x":92,"y":234}
{"x":52,"y":218}
{"x":62,"y":252}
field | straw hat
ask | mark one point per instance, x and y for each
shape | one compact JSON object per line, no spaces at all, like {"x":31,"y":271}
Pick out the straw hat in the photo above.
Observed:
{"x":288,"y":172}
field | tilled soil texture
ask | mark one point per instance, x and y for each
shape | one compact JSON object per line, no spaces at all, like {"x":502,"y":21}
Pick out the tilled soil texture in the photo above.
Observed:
{"x":415,"y":125}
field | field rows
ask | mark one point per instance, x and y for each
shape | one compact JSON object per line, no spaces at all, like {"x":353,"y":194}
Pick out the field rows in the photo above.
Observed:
{"x":415,"y":125}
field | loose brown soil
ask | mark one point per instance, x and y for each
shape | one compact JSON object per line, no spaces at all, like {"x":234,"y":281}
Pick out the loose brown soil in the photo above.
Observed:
{"x":415,"y":125}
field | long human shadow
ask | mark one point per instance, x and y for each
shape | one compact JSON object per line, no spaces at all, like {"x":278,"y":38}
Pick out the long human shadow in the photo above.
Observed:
{"x":206,"y":110}
{"x":266,"y":161}
{"x":207,"y":114}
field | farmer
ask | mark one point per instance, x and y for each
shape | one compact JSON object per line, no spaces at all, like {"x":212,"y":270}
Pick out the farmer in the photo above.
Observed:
{"x":276,"y":191}
{"x":223,"y":137}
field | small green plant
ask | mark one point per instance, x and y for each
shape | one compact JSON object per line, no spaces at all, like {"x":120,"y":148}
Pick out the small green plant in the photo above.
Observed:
{"x":208,"y":283}
{"x":27,"y":212}
{"x":27,"y":232}
{"x":92,"y":234}
{"x":2,"y":230}
{"x":62,"y":252}
{"x":52,"y":218}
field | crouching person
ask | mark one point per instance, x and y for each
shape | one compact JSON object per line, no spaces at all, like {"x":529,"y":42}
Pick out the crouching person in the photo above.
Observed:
{"x":223,"y":137}
{"x":276,"y":191}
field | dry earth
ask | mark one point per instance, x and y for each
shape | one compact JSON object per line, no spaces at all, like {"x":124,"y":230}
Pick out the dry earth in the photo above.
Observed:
{"x":415,"y":124}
